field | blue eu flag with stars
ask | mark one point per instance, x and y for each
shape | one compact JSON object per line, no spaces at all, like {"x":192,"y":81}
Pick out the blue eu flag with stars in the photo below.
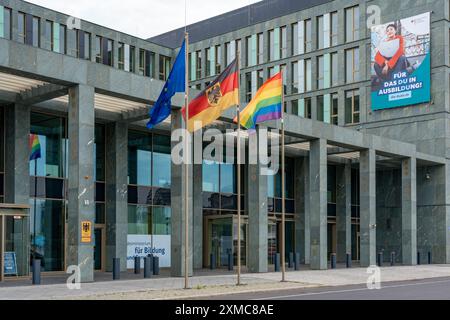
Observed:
{"x":175,"y":83}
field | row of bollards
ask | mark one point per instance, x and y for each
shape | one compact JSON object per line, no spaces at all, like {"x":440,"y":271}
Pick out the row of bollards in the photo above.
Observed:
{"x":151,"y":266}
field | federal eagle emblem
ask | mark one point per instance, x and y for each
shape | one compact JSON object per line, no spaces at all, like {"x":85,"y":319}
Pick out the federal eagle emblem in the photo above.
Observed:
{"x":214,"y":94}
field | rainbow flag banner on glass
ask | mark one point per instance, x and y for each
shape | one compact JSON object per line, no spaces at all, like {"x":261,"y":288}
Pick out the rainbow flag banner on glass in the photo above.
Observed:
{"x":35,"y":147}
{"x":266,"y":105}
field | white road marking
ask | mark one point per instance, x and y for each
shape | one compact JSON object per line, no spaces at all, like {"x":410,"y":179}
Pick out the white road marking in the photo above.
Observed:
{"x":350,"y":290}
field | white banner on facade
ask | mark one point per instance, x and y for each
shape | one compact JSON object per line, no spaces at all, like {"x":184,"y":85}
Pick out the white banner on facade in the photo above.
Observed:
{"x":143,"y":245}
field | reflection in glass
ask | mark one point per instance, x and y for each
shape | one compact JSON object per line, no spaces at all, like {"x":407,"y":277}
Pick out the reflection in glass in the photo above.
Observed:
{"x":17,"y":242}
{"x":162,"y":220}
{"x":47,"y":233}
{"x":139,"y":220}
{"x":210,"y":176}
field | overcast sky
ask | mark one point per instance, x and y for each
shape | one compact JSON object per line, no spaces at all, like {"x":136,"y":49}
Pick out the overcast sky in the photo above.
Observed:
{"x":142,"y":18}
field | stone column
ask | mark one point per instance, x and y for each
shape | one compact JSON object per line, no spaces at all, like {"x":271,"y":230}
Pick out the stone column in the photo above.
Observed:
{"x":258,"y":223}
{"x":178,"y":205}
{"x":17,"y":154}
{"x":302,"y":223}
{"x":368,"y":207}
{"x":198,"y":215}
{"x":116,"y":140}
{"x":344,"y":211}
{"x":81,"y":205}
{"x":409,"y":212}
{"x":318,"y":203}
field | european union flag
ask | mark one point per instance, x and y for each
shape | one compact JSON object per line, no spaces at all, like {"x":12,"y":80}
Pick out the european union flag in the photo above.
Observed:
{"x":175,"y":83}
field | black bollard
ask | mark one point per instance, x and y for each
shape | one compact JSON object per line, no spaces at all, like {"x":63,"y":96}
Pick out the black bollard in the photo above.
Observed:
{"x":297,"y":261}
{"x":212,"y":261}
{"x":36,"y":272}
{"x":392,"y":259}
{"x":277,"y":262}
{"x":333,"y":261}
{"x":230,"y":260}
{"x":291,"y":260}
{"x":148,"y":267}
{"x":116,"y":268}
{"x":137,"y":265}
{"x":349,"y":260}
{"x":156,"y":265}
{"x":429,"y":257}
{"x":418,"y":258}
{"x":380,"y":259}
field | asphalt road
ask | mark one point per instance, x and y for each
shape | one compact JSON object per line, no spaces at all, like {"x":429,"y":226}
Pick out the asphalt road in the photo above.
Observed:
{"x":428,"y":289}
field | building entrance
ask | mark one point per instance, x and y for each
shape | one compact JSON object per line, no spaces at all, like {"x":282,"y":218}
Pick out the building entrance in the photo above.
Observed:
{"x":14,"y":241}
{"x":222,"y":238}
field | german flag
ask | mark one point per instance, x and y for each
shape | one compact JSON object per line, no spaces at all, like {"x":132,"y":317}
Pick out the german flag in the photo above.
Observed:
{"x":220,"y":95}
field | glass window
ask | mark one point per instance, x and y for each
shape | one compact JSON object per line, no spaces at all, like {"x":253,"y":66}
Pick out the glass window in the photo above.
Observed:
{"x":139,"y":158}
{"x":294,"y":107}
{"x":228,"y":178}
{"x":352,"y":108}
{"x":260,"y":78}
{"x":164,"y":67}
{"x":121,"y":57}
{"x":218,"y":59}
{"x":6,"y":23}
{"x":320,"y":32}
{"x":260,"y":48}
{"x":132,"y":60}
{"x":99,"y":146}
{"x":295,"y":39}
{"x":320,"y":106}
{"x":87,"y":46}
{"x":248,"y":87}
{"x":36,"y":32}
{"x":210,"y":176}
{"x":238,"y":51}
{"x":320,"y":72}
{"x":47,"y":223}
{"x":271,"y":45}
{"x":283,"y":44}
{"x":198,"y":72}
{"x":72,"y":42}
{"x":248,"y":51}
{"x":161,"y":220}
{"x":142,"y":62}
{"x":208,"y":61}
{"x":227,"y":53}
{"x":161,"y":161}
{"x":98,"y":49}
{"x":334,"y":69}
{"x":139,"y":220}
{"x":110,"y":56}
{"x":47,"y":42}
{"x":334,"y":36}
{"x":295,"y":75}
{"x":51,"y":134}
{"x":308,"y":108}
{"x":352,"y":24}
{"x":352,"y":65}
{"x":334,"y":108}
{"x":62,"y":39}
{"x":308,"y":35}
{"x":284,"y":73}
{"x":21,"y":35}
{"x":308,"y":75}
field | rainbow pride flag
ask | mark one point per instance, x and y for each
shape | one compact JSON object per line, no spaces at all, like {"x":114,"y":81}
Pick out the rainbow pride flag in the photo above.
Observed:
{"x":35,"y":147}
{"x":266,"y":105}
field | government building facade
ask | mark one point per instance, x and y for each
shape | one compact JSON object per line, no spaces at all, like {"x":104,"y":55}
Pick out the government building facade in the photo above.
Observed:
{"x":367,"y":125}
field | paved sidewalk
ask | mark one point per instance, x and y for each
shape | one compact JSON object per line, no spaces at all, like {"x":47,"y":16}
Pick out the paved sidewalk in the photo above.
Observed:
{"x":255,"y":282}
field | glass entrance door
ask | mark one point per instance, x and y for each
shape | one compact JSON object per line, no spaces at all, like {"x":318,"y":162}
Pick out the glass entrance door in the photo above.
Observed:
{"x":221,"y":240}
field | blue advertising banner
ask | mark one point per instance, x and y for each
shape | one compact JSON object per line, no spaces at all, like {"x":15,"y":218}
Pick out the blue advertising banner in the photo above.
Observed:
{"x":401,"y":68}
{"x":10,"y":263}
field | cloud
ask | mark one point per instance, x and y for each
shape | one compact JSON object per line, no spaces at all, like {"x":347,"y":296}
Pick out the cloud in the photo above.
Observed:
{"x":143,"y":18}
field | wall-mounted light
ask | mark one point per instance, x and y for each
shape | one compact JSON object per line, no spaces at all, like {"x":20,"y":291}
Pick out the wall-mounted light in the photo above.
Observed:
{"x":428,"y":176}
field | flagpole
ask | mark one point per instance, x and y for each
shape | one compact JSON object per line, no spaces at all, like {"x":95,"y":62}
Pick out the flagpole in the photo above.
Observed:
{"x":283,"y":190}
{"x":238,"y":111}
{"x":186,"y":167}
